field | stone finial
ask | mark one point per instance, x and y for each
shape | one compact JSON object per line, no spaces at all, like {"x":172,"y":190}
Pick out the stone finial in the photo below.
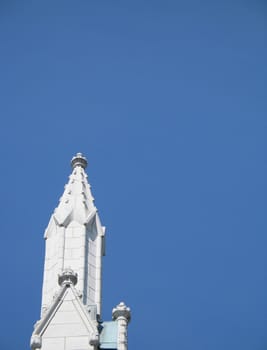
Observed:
{"x":68,"y":276}
{"x":79,"y":160}
{"x":121,"y":310}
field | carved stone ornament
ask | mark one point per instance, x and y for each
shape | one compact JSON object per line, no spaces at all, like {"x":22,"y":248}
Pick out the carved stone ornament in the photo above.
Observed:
{"x":36,"y":342}
{"x":68,"y":276}
{"x":121,"y":310}
{"x":79,"y":160}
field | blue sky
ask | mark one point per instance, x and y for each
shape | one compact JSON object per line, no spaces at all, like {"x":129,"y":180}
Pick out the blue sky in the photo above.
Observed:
{"x":166,"y":100}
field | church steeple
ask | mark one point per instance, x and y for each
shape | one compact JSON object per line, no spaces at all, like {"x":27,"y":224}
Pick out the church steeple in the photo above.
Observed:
{"x":71,"y":296}
{"x":75,"y":239}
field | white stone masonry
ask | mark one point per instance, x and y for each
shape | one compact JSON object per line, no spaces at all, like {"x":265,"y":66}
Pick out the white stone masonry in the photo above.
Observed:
{"x":71,"y":296}
{"x":75,"y":239}
{"x":122,"y":314}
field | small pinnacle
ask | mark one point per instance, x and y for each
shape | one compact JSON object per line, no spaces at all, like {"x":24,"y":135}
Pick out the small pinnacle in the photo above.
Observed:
{"x":79,"y":160}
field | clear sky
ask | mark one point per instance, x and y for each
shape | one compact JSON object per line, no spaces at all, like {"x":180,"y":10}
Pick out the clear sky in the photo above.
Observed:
{"x":166,"y":100}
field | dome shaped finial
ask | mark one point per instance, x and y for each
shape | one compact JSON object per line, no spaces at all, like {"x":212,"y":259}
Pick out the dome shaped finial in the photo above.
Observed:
{"x":121,"y":310}
{"x":68,"y":276}
{"x":79,"y":160}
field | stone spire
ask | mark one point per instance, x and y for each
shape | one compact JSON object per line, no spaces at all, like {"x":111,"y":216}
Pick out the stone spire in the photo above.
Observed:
{"x":71,"y":296}
{"x":77,"y":202}
{"x":75,"y":239}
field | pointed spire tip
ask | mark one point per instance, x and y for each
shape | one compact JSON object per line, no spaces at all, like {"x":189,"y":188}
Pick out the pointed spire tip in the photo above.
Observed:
{"x":79,"y":160}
